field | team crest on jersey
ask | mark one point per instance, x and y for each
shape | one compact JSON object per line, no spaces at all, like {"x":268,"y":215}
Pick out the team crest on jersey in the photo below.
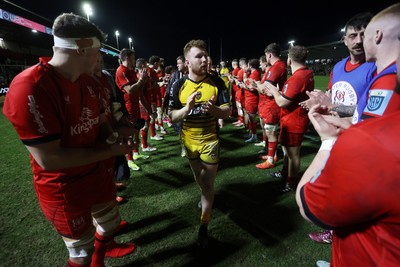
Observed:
{"x":339,"y":96}
{"x":269,"y":74}
{"x":343,"y":93}
{"x":198,"y":95}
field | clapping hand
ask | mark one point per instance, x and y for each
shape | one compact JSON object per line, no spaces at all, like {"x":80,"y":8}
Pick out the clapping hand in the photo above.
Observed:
{"x":316,"y":97}
{"x":323,"y":124}
{"x":270,"y":88}
{"x":209,"y":106}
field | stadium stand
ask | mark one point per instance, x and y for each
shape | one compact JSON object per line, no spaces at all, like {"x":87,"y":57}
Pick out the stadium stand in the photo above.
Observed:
{"x":20,"y":46}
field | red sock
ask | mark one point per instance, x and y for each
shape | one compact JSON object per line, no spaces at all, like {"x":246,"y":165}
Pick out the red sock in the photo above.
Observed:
{"x":129,"y":156}
{"x":106,"y":247}
{"x":152,"y":129}
{"x":272,"y":148}
{"x":254,"y":127}
{"x":250,"y":127}
{"x":73,"y":264}
{"x":144,"y":138}
{"x":240,"y":118}
{"x":121,"y":226}
{"x":115,"y":250}
{"x":100,"y":247}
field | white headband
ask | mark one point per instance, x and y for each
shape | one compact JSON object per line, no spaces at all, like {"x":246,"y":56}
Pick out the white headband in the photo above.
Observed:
{"x":76,"y":43}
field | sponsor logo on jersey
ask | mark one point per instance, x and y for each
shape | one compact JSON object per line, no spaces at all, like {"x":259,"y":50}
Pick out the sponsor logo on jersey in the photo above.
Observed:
{"x":34,"y":110}
{"x":86,"y":122}
{"x":196,"y":110}
{"x":375,"y":102}
{"x":378,"y":100}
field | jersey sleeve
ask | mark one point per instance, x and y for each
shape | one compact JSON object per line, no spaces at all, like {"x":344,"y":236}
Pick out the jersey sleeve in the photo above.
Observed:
{"x":223,"y":95}
{"x":292,"y":88}
{"x":349,"y":190}
{"x":174,"y":102}
{"x":33,"y":111}
{"x":122,"y":79}
{"x":274,"y":73}
{"x":329,"y":86}
{"x":172,"y":79}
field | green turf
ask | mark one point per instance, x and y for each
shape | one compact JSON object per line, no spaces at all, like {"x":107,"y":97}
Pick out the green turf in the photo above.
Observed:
{"x":252,"y":224}
{"x":321,"y":82}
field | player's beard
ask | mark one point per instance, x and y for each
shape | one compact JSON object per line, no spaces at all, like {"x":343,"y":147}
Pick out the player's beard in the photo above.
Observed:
{"x":358,"y":50}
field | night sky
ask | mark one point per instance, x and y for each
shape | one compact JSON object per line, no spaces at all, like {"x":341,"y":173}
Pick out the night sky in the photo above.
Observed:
{"x":163,"y":27}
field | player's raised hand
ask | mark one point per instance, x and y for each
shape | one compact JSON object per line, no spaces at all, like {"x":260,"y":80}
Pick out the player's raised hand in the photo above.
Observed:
{"x":191,"y":100}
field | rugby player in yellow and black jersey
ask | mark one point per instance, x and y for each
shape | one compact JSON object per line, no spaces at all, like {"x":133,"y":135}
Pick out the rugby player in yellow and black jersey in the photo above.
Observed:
{"x":199,"y":100}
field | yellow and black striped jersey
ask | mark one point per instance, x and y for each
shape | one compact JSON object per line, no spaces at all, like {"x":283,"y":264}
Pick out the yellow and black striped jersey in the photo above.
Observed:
{"x":198,"y":124}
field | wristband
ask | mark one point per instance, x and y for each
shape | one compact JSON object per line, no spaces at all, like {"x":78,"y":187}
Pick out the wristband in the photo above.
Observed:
{"x":327,"y":144}
{"x":112,"y":138}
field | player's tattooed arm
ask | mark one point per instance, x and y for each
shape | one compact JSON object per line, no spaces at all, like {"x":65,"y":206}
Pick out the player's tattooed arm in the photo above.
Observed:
{"x":344,"y":111}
